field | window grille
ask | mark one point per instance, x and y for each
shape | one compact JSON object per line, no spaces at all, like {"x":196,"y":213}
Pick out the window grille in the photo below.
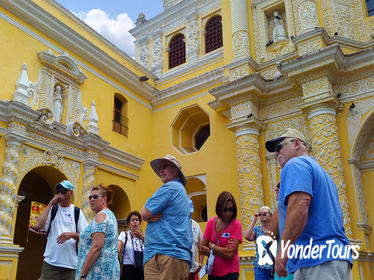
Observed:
{"x":213,"y":34}
{"x":177,"y":53}
{"x":120,"y":122}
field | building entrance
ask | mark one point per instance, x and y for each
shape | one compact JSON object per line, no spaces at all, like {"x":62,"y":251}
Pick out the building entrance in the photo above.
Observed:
{"x":37,"y":185}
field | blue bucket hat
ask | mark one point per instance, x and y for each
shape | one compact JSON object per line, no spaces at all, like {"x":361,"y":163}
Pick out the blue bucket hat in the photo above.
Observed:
{"x":65,"y":184}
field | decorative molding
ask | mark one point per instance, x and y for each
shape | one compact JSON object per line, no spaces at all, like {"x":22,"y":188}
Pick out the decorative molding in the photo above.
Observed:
{"x":247,"y":131}
{"x":196,"y":84}
{"x":47,"y":137}
{"x":190,"y":68}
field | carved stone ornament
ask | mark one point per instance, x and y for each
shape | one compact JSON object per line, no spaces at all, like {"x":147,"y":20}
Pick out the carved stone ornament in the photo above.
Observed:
{"x":8,"y":187}
{"x":33,"y":158}
{"x":192,"y":40}
{"x":58,"y":88}
{"x":239,"y":72}
{"x":143,"y":56}
{"x":88,"y":182}
{"x":157,"y":53}
{"x":75,"y":129}
{"x":307,"y":17}
{"x":240,"y":43}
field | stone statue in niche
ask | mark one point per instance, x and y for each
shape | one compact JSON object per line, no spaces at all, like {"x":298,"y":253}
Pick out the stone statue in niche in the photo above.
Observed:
{"x":58,"y":106}
{"x":279,"y":33}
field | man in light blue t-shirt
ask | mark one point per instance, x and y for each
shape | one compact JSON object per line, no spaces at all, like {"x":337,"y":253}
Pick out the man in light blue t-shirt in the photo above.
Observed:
{"x":313,"y":241}
{"x":168,"y":237}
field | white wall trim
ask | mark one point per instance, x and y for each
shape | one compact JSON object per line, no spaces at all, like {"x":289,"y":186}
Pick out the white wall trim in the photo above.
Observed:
{"x":318,"y":112}
{"x":247,"y":131}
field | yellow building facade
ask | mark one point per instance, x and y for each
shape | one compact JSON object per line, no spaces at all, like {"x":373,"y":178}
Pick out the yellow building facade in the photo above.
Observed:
{"x":211,"y":82}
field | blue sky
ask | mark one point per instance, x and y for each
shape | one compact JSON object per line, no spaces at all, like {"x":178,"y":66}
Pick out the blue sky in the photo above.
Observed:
{"x":113,"y":18}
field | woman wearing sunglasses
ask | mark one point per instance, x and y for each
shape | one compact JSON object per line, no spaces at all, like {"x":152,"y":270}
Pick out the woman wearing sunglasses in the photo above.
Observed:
{"x":262,"y":272}
{"x":97,"y":256}
{"x":221,"y":239}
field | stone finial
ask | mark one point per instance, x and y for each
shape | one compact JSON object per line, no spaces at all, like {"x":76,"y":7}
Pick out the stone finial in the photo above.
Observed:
{"x":93,"y":119}
{"x":141,"y":19}
{"x":22,"y":94}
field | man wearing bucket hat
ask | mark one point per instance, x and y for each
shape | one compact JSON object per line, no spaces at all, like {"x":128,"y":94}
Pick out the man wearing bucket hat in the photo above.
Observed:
{"x":63,"y":222}
{"x":309,"y":214}
{"x":168,"y":237}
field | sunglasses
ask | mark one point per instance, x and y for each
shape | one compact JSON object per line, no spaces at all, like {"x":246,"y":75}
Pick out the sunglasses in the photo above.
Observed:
{"x":262,"y":214}
{"x":229,"y":209}
{"x":280,"y":145}
{"x":95,"y":196}
{"x":61,"y":190}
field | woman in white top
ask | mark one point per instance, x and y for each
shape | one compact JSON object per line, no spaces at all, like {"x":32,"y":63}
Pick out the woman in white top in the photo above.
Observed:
{"x":131,"y":247}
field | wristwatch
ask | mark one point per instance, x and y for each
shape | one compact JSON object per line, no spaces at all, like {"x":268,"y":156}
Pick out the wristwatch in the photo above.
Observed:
{"x":213,"y":248}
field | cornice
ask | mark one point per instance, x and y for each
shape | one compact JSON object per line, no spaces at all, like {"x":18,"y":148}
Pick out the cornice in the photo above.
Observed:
{"x":123,"y":158}
{"x":29,"y":130}
{"x":203,"y":61}
{"x":34,"y":15}
{"x":331,"y":55}
{"x":329,"y":61}
{"x":193,"y":85}
{"x":335,"y":40}
{"x":254,"y":82}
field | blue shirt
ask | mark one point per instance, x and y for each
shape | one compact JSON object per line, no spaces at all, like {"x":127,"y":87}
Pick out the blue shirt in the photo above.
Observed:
{"x":325,"y":217}
{"x":172,"y":234}
{"x":259,"y":232}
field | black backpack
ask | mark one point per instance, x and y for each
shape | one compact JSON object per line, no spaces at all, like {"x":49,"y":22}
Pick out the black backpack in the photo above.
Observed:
{"x":76,"y":218}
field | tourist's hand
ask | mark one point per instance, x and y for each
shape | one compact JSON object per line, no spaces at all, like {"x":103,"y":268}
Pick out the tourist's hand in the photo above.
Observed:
{"x":230,"y":244}
{"x":280,"y":264}
{"x":57,"y":198}
{"x":64,"y":237}
{"x":138,"y":234}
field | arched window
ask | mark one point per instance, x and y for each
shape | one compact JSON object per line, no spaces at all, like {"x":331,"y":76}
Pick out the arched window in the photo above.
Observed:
{"x":370,"y":7}
{"x":120,"y":120}
{"x":213,"y":34}
{"x":177,"y":51}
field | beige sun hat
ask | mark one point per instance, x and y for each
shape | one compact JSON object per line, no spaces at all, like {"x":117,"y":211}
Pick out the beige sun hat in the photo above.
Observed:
{"x":156,"y":163}
{"x":288,"y":133}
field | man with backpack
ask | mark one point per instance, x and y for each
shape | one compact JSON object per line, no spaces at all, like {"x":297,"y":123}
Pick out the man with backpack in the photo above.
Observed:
{"x":63,"y":222}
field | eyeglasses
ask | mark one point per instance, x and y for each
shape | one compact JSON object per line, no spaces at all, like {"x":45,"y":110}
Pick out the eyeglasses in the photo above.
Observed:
{"x":95,"y":196}
{"x":229,"y":209}
{"x":280,"y":145}
{"x":262,"y":214}
{"x":61,"y":190}
{"x":165,"y":166}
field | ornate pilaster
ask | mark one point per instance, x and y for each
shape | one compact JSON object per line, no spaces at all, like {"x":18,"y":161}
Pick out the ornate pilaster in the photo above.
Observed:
{"x":326,"y":149}
{"x":157,"y":53}
{"x":88,"y":183}
{"x":192,"y":38}
{"x":240,"y":39}
{"x":249,"y":170}
{"x":8,"y":188}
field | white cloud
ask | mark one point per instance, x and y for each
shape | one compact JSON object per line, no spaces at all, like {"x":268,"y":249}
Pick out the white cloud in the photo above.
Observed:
{"x":115,"y":30}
